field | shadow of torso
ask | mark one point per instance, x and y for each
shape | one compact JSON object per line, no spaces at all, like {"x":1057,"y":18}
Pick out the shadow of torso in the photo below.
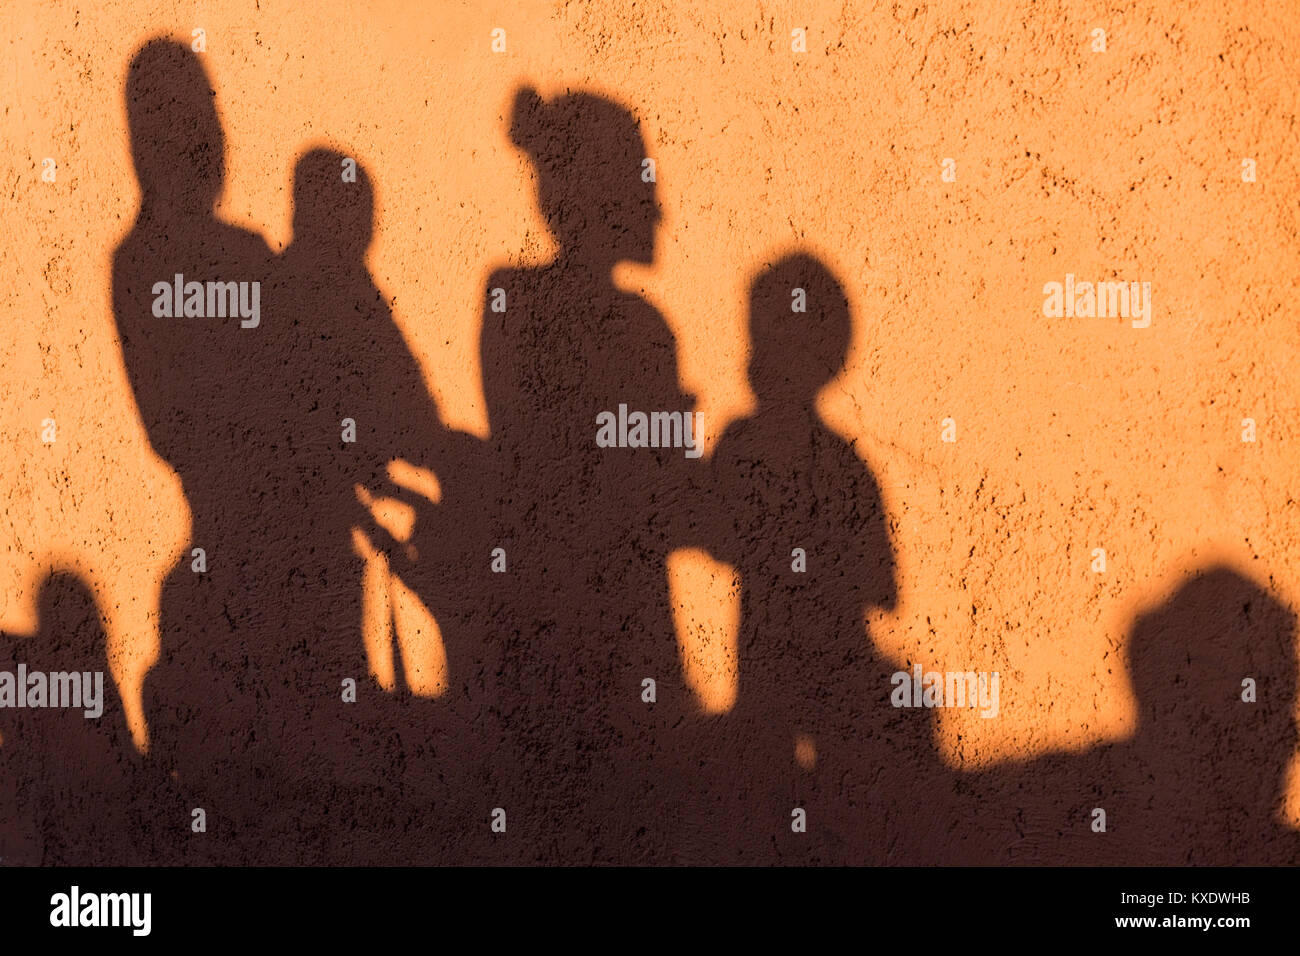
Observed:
{"x":590,"y":530}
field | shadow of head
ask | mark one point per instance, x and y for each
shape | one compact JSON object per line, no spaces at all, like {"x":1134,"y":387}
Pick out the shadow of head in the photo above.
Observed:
{"x":330,"y":211}
{"x":1195,"y":661}
{"x":799,"y":329}
{"x":176,"y":140}
{"x":594,"y":187}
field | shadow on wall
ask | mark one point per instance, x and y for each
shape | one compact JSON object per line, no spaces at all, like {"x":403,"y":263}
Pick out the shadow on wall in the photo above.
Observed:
{"x":1201,"y":781}
{"x":553,"y":694}
{"x":74,"y":790}
{"x":271,"y":414}
{"x":792,"y":507}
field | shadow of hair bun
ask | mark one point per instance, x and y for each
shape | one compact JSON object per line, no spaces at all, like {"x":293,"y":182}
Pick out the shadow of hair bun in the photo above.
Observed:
{"x":526,"y":118}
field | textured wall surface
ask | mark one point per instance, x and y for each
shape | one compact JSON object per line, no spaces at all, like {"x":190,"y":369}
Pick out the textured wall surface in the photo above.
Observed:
{"x":520,"y":169}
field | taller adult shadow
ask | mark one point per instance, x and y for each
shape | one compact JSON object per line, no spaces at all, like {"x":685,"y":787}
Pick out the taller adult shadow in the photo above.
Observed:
{"x":1203,"y":778}
{"x":206,"y":389}
{"x":812,"y":764}
{"x":260,"y":630}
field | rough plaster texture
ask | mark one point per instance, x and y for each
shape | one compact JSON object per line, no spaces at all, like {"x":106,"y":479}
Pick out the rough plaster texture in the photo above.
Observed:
{"x":1072,"y":434}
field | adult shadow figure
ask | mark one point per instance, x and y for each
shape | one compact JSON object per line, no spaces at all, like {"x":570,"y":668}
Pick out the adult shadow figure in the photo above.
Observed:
{"x":205,"y":389}
{"x":792,"y":506}
{"x":581,"y":618}
{"x":259,"y":631}
{"x":1203,"y":778}
{"x":78,"y":791}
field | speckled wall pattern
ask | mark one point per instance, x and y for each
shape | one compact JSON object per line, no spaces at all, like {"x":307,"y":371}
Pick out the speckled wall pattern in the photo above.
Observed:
{"x":829,"y":232}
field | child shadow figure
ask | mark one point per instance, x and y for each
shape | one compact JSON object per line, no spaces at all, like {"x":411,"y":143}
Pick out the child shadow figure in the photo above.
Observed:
{"x":408,"y":765}
{"x":1202,"y":780}
{"x":80,"y":792}
{"x":798,"y":514}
